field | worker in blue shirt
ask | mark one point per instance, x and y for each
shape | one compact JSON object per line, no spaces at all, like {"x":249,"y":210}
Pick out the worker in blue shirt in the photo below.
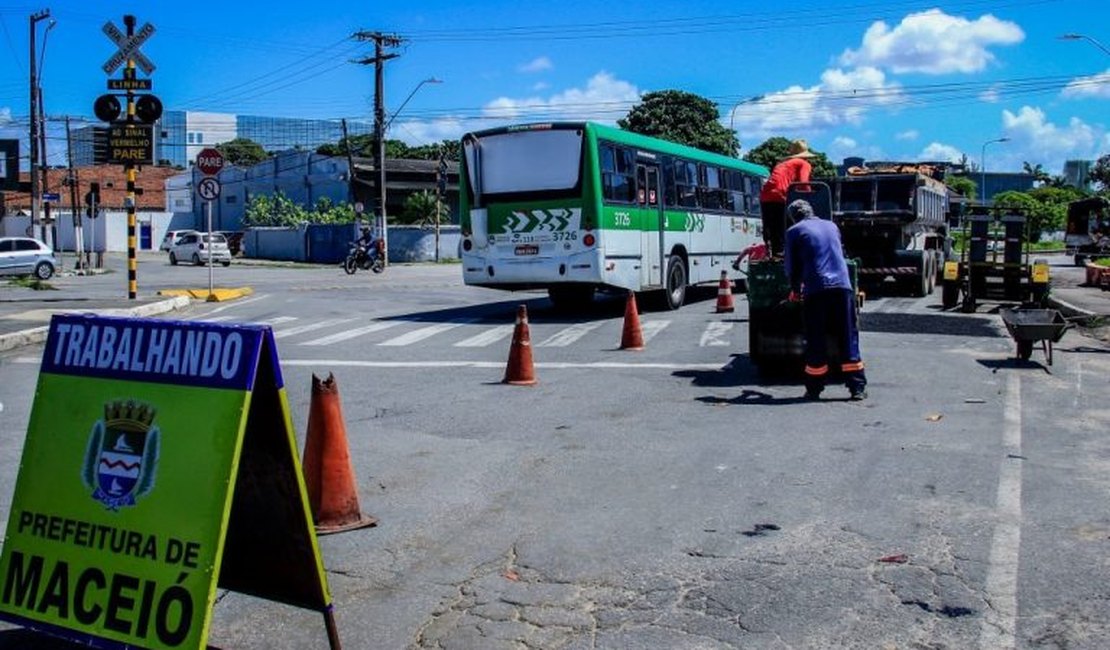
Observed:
{"x":819,"y":277}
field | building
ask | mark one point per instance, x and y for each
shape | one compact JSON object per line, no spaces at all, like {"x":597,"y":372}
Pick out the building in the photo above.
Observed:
{"x":1077,"y":173}
{"x":181,"y":135}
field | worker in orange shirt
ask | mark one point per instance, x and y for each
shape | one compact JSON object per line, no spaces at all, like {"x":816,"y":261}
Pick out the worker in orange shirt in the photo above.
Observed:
{"x":772,"y":198}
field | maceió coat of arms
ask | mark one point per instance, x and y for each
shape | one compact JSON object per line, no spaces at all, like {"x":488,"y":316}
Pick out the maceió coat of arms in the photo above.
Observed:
{"x":121,"y":458}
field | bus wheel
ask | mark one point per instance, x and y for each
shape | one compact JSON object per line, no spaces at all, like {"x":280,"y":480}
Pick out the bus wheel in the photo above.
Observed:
{"x":571,"y":298}
{"x":676,"y":282}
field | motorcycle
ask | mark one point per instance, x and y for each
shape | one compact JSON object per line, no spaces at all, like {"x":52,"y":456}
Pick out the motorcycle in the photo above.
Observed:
{"x":359,"y":257}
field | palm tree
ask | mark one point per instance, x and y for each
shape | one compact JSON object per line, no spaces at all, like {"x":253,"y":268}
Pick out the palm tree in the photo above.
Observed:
{"x":424,"y":209}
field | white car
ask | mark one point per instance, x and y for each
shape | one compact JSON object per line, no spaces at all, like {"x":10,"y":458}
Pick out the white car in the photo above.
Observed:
{"x":171,"y":237}
{"x":196,"y":248}
{"x":26,"y":256}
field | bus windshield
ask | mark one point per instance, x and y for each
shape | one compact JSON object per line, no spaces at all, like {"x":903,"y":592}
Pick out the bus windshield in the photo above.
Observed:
{"x":524,"y":161}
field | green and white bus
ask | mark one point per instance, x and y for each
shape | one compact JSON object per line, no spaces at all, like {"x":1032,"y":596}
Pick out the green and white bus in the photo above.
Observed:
{"x":577,"y":207}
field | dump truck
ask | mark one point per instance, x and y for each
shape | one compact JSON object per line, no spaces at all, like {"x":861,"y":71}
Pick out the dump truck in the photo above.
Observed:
{"x":894,"y":220}
{"x":1088,"y":229}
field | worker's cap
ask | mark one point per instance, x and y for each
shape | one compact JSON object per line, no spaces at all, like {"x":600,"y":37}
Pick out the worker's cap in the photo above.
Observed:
{"x":799,"y":209}
{"x":799,"y":149}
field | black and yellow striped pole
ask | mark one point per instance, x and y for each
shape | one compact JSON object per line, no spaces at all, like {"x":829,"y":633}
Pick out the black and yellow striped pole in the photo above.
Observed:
{"x":129,"y":168}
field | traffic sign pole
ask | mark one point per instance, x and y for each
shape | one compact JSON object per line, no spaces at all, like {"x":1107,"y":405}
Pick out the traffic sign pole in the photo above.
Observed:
{"x":209,"y":161}
{"x":132,"y":257}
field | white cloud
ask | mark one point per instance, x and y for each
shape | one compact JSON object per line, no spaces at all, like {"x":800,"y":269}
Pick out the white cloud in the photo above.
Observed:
{"x":540,"y":85}
{"x":604,"y":99}
{"x":842,"y":97}
{"x":844,"y":142}
{"x":5,"y":115}
{"x":911,"y":134}
{"x":538,"y":64}
{"x":990,"y":95}
{"x":1094,"y":86}
{"x":1036,"y":139}
{"x":933,"y":42}
{"x":939,"y":152}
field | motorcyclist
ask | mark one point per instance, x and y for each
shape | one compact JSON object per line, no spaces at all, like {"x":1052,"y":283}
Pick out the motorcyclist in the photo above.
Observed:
{"x":364,"y":243}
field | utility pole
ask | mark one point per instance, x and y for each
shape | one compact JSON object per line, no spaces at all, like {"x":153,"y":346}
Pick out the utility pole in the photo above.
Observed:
{"x":71,"y":180}
{"x":44,"y":165}
{"x":34,"y":113}
{"x":381,"y":41}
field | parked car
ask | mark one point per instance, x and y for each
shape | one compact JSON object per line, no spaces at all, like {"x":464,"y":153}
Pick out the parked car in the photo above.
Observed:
{"x":26,"y":256}
{"x":234,"y":241}
{"x":195,"y":247}
{"x":171,"y":237}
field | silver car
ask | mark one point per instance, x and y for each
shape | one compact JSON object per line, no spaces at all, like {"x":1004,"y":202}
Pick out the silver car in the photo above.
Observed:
{"x":196,"y":248}
{"x":26,"y":256}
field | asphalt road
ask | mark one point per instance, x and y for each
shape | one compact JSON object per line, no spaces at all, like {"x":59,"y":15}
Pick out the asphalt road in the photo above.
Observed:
{"x":672,"y":498}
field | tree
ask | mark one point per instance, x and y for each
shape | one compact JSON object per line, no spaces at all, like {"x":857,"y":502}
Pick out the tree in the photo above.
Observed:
{"x":681,"y":117}
{"x":278,"y":210}
{"x":1036,"y":171}
{"x":242,"y":151}
{"x":1046,"y":207}
{"x":423,"y":209}
{"x":774,"y":150}
{"x":1100,"y":172}
{"x":431,"y":151}
{"x":964,"y":185}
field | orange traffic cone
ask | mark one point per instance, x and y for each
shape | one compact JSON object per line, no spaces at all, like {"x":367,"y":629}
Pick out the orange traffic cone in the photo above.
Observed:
{"x":633,"y":337}
{"x":724,"y":295}
{"x":519,"y":371}
{"x":328,"y":475}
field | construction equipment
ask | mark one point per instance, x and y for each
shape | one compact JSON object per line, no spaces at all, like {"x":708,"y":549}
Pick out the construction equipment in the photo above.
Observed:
{"x":893,"y":220}
{"x":776,"y":325}
{"x":1029,"y":326}
{"x":994,"y":262}
{"x":1088,"y":229}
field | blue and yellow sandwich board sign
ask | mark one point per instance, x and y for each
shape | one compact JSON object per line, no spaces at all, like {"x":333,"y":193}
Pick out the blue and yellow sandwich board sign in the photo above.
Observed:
{"x":160,"y":464}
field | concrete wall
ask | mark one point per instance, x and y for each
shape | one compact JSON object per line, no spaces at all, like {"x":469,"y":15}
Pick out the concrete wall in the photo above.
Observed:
{"x":108,"y":232}
{"x":406,"y":244}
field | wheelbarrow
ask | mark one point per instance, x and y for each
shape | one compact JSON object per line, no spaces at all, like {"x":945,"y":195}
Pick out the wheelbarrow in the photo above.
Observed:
{"x":1028,"y":326}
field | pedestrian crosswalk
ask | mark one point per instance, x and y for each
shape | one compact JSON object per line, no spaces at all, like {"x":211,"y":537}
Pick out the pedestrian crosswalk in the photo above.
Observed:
{"x":471,"y":332}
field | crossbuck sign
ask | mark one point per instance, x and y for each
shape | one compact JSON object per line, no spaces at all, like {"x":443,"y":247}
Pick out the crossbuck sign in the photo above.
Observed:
{"x":128,"y":48}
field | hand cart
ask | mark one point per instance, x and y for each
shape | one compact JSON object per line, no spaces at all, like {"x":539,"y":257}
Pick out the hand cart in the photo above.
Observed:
{"x":1028,"y":326}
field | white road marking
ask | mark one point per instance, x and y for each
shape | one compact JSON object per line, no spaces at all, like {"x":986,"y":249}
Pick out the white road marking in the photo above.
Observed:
{"x":351,"y":363}
{"x":565,"y":337}
{"x":488,"y":337}
{"x":278,"y":320}
{"x":713,"y":333}
{"x":416,"y":336}
{"x":356,"y":332}
{"x":217,"y":319}
{"x":652,"y":327}
{"x":999,"y":624}
{"x":239,"y":303}
{"x":311,"y":327}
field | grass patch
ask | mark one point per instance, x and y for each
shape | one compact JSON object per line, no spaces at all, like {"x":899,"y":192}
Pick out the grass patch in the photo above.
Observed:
{"x":30,"y":282}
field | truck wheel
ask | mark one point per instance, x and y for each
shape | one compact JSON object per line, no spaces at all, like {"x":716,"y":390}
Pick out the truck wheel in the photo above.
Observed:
{"x":949,"y":294}
{"x":676,"y":283}
{"x":1080,"y":260}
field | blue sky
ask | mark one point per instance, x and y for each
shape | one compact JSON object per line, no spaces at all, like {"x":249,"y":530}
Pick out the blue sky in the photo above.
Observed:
{"x":898,"y":79}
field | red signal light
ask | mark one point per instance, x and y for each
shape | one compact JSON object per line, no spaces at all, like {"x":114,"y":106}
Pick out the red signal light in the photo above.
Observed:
{"x":589,"y":239}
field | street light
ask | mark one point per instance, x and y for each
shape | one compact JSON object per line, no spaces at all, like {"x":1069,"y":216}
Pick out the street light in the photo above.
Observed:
{"x":429,"y":80}
{"x":732,"y":113}
{"x":1080,"y":37}
{"x":983,"y":168}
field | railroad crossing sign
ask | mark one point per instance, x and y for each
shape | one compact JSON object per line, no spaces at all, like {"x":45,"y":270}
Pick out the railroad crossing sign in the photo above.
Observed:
{"x":128,"y":48}
{"x":209,"y":188}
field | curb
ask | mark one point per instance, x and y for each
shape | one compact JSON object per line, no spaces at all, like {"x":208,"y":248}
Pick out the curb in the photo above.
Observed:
{"x":217,"y":295}
{"x":1069,"y":310}
{"x":38,"y":334}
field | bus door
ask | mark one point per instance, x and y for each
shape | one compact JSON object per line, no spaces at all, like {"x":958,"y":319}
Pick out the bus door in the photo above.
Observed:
{"x":650,"y":205}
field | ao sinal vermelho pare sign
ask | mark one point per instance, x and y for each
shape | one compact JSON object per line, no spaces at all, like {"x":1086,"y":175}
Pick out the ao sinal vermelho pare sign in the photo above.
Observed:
{"x":159,"y":464}
{"x":130,"y":143}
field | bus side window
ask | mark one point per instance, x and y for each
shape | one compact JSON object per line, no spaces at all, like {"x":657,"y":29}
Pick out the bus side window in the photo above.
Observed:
{"x":686,"y":175}
{"x":669,"y":199}
{"x":617,"y":174}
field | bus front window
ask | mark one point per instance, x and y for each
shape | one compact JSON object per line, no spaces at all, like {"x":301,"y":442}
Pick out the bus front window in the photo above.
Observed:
{"x":524,"y":161}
